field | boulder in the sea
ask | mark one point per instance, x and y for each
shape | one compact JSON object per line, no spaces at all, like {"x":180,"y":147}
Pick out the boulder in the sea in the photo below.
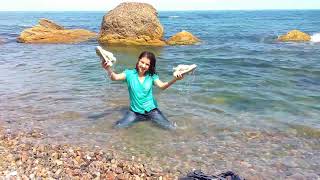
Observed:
{"x":183,"y":38}
{"x":49,"y":32}
{"x":132,"y":23}
{"x":295,"y":35}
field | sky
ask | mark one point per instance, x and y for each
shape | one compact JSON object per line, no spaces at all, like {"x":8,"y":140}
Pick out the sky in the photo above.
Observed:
{"x":160,"y":5}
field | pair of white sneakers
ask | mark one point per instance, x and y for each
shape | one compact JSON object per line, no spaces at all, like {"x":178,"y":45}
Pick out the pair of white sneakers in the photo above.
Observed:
{"x":109,"y":58}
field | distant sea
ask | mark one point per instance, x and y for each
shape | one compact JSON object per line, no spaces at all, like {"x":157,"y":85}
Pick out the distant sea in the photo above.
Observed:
{"x":253,"y":104}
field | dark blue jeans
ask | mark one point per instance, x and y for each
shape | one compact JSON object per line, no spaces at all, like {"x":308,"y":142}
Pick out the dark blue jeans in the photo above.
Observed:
{"x":154,"y":115}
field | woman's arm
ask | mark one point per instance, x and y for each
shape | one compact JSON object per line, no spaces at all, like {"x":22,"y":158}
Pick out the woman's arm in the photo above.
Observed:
{"x":165,"y":85}
{"x":113,"y":76}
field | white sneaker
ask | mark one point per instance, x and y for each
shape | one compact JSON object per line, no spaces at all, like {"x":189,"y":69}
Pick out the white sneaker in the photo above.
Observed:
{"x":184,"y":69}
{"x":105,"y":55}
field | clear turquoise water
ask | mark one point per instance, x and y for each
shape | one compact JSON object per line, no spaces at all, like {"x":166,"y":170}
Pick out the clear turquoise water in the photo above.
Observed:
{"x":246,"y":83}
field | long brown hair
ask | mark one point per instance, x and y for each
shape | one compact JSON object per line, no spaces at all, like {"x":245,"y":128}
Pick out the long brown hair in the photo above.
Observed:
{"x":152,"y":68}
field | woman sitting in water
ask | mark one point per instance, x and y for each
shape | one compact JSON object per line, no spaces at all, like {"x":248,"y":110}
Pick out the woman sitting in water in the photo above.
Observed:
{"x":140,"y":80}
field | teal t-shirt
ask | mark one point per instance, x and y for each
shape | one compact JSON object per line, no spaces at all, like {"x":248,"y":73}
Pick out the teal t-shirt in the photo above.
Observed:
{"x":141,"y":97}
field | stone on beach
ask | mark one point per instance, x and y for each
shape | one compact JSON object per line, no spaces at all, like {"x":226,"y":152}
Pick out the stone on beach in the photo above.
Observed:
{"x":132,"y":24}
{"x":295,"y":35}
{"x":183,"y":38}
{"x":49,"y":32}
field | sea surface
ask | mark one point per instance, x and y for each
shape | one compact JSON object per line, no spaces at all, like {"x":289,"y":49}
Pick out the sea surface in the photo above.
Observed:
{"x":252,"y":105}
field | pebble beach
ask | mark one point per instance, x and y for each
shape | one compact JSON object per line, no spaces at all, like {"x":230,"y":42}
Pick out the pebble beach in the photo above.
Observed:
{"x":21,"y":157}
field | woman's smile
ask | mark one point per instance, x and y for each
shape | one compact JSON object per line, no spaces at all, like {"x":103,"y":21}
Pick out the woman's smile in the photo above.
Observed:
{"x":143,"y":65}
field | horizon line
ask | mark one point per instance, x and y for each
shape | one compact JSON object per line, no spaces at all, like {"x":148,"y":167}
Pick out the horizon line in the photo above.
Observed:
{"x":161,"y":10}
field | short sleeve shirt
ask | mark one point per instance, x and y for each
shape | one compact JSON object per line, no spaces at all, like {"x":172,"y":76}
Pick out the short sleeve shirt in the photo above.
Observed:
{"x":141,"y":97}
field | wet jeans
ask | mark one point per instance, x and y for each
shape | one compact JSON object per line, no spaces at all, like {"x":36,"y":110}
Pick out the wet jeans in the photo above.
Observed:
{"x":154,"y":115}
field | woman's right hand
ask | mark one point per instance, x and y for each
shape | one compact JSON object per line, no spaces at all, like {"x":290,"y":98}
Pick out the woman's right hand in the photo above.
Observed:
{"x":105,"y":64}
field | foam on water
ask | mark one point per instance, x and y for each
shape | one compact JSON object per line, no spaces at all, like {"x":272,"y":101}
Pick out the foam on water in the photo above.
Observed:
{"x":315,"y":37}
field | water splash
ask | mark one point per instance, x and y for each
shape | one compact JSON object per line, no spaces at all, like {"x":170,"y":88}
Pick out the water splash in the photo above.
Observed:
{"x":315,"y":37}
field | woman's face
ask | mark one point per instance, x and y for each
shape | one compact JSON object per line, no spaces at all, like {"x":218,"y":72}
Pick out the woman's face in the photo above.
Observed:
{"x":143,"y":65}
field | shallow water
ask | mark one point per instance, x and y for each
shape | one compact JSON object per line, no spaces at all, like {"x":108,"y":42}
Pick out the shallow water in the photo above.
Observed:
{"x":251,"y":106}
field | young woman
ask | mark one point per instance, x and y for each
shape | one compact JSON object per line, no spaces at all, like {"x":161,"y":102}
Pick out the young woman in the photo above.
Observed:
{"x":140,"y":81}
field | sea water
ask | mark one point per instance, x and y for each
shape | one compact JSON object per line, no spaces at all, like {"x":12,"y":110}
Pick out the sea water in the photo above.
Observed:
{"x":252,"y":105}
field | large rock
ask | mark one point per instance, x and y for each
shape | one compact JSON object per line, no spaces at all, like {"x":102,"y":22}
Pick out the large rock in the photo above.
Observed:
{"x":295,"y":35}
{"x":132,"y":24}
{"x":183,"y":38}
{"x":49,"y":32}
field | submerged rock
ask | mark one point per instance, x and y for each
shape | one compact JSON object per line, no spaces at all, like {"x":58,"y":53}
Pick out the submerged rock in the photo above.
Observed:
{"x":183,"y":38}
{"x":295,"y":35}
{"x":132,"y":24}
{"x":49,"y":32}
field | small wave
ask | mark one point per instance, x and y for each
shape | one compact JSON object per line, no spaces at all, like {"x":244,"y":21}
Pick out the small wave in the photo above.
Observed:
{"x":174,"y":16}
{"x":315,"y":37}
{"x":22,"y":64}
{"x":24,"y":25}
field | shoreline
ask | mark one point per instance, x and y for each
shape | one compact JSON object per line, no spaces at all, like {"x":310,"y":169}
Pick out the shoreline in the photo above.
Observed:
{"x":22,"y":158}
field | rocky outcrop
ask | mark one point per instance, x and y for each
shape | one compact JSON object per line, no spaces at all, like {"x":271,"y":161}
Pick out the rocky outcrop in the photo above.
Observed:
{"x":132,"y":24}
{"x":49,"y":32}
{"x":295,"y":35}
{"x":49,"y":24}
{"x":183,"y":38}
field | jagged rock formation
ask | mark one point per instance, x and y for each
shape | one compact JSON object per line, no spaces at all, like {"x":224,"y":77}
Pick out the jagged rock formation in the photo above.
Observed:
{"x":49,"y":32}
